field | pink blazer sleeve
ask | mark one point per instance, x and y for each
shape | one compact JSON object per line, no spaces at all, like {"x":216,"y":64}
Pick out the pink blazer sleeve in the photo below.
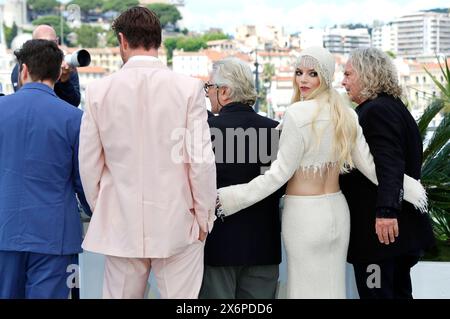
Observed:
{"x":201,"y":161}
{"x":91,"y":156}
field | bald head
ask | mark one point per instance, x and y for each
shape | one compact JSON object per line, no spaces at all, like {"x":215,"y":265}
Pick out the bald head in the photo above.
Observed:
{"x":45,"y":32}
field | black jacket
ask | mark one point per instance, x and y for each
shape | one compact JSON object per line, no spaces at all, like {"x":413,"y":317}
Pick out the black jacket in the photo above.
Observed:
{"x":68,"y":91}
{"x":251,"y":236}
{"x":396,"y":145}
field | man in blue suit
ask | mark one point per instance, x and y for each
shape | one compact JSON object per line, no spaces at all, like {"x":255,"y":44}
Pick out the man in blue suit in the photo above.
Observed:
{"x":40,"y":228}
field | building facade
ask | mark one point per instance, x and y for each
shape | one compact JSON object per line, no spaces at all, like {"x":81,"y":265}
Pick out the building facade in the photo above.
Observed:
{"x":262,"y":37}
{"x":343,"y":41}
{"x":423,"y":33}
{"x":384,"y":37}
{"x":14,"y":11}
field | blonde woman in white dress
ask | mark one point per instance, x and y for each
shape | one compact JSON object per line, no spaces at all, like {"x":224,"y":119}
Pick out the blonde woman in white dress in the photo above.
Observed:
{"x":320,"y":139}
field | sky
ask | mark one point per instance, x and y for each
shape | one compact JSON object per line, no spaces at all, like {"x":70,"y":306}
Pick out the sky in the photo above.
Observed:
{"x":296,"y":15}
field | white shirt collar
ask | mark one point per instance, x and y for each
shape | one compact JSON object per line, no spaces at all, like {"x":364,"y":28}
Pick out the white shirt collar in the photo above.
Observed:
{"x":143,"y":58}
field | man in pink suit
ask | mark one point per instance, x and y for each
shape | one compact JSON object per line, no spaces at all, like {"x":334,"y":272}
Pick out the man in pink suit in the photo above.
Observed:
{"x":147,"y":168}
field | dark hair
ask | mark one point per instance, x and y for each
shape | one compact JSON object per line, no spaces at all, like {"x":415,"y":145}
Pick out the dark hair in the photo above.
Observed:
{"x":43,"y":59}
{"x":140,"y":26}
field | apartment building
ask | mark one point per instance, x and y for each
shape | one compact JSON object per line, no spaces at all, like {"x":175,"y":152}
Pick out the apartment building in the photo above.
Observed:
{"x":384,"y":37}
{"x":423,"y":33}
{"x":343,"y":41}
{"x":420,"y":89}
{"x":199,"y":64}
{"x":109,"y":58}
{"x":262,"y":37}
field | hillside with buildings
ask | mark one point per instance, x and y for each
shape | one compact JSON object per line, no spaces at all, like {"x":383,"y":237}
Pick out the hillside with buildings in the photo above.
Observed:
{"x":415,"y":40}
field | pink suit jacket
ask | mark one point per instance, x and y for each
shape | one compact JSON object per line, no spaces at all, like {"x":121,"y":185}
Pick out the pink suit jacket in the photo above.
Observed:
{"x":146,"y":162}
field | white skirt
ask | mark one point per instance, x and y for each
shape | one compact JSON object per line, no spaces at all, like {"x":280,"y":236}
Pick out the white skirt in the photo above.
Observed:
{"x":316,"y":231}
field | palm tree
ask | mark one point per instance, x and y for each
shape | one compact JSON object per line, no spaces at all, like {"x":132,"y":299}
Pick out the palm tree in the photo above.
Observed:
{"x":268,"y":73}
{"x":436,"y":156}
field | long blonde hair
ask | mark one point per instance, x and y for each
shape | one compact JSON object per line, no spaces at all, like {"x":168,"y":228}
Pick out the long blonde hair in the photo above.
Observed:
{"x":343,"y":120}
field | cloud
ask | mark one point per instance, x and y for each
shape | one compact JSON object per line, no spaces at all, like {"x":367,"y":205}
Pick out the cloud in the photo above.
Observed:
{"x":295,"y":16}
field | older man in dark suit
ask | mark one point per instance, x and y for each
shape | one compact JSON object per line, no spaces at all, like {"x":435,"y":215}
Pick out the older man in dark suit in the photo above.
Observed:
{"x":387,"y":235}
{"x":243,"y":252}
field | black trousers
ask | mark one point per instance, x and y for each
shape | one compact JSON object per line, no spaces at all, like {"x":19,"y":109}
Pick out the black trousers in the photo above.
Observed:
{"x":389,"y":279}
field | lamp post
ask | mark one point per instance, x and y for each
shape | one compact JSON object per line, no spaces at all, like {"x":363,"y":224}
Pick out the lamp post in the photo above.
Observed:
{"x":257,"y":81}
{"x":267,"y":87}
{"x":61,"y":9}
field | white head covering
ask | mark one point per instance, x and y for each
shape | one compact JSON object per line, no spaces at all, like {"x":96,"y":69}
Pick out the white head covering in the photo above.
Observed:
{"x":19,"y":40}
{"x":319,"y":59}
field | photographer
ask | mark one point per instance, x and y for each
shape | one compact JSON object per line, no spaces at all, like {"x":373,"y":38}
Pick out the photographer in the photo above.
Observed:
{"x":68,"y":86}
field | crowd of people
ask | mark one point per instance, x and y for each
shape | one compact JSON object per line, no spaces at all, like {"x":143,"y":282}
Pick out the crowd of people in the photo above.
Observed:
{"x":195,"y":196}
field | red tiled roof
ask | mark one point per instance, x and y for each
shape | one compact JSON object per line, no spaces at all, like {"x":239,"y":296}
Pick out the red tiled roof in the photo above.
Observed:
{"x":414,"y":65}
{"x":286,"y":69}
{"x":214,"y":55}
{"x":92,"y":69}
{"x":111,"y":50}
{"x":114,"y":50}
{"x":282,"y":78}
{"x":273,"y":54}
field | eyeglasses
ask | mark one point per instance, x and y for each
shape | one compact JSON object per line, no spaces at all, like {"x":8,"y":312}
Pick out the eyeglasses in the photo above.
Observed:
{"x":208,"y":85}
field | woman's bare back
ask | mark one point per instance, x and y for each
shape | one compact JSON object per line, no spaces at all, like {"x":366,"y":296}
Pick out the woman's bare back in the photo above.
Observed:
{"x":314,"y":181}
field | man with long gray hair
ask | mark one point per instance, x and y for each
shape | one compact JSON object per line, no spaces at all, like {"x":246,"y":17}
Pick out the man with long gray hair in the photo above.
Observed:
{"x":243,"y":252}
{"x":371,"y":81}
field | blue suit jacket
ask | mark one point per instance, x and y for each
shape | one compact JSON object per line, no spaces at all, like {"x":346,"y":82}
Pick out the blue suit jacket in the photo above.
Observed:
{"x":39,"y":176}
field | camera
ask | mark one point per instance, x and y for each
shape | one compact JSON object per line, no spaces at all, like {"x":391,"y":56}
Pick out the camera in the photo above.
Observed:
{"x":77,"y":59}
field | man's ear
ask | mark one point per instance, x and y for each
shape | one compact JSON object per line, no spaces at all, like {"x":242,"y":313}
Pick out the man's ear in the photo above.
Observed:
{"x":123,"y":41}
{"x":225,"y":91}
{"x":23,"y":72}
{"x":60,"y":73}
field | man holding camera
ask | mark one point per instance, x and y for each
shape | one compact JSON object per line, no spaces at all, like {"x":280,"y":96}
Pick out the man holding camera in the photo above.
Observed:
{"x":68,"y":86}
